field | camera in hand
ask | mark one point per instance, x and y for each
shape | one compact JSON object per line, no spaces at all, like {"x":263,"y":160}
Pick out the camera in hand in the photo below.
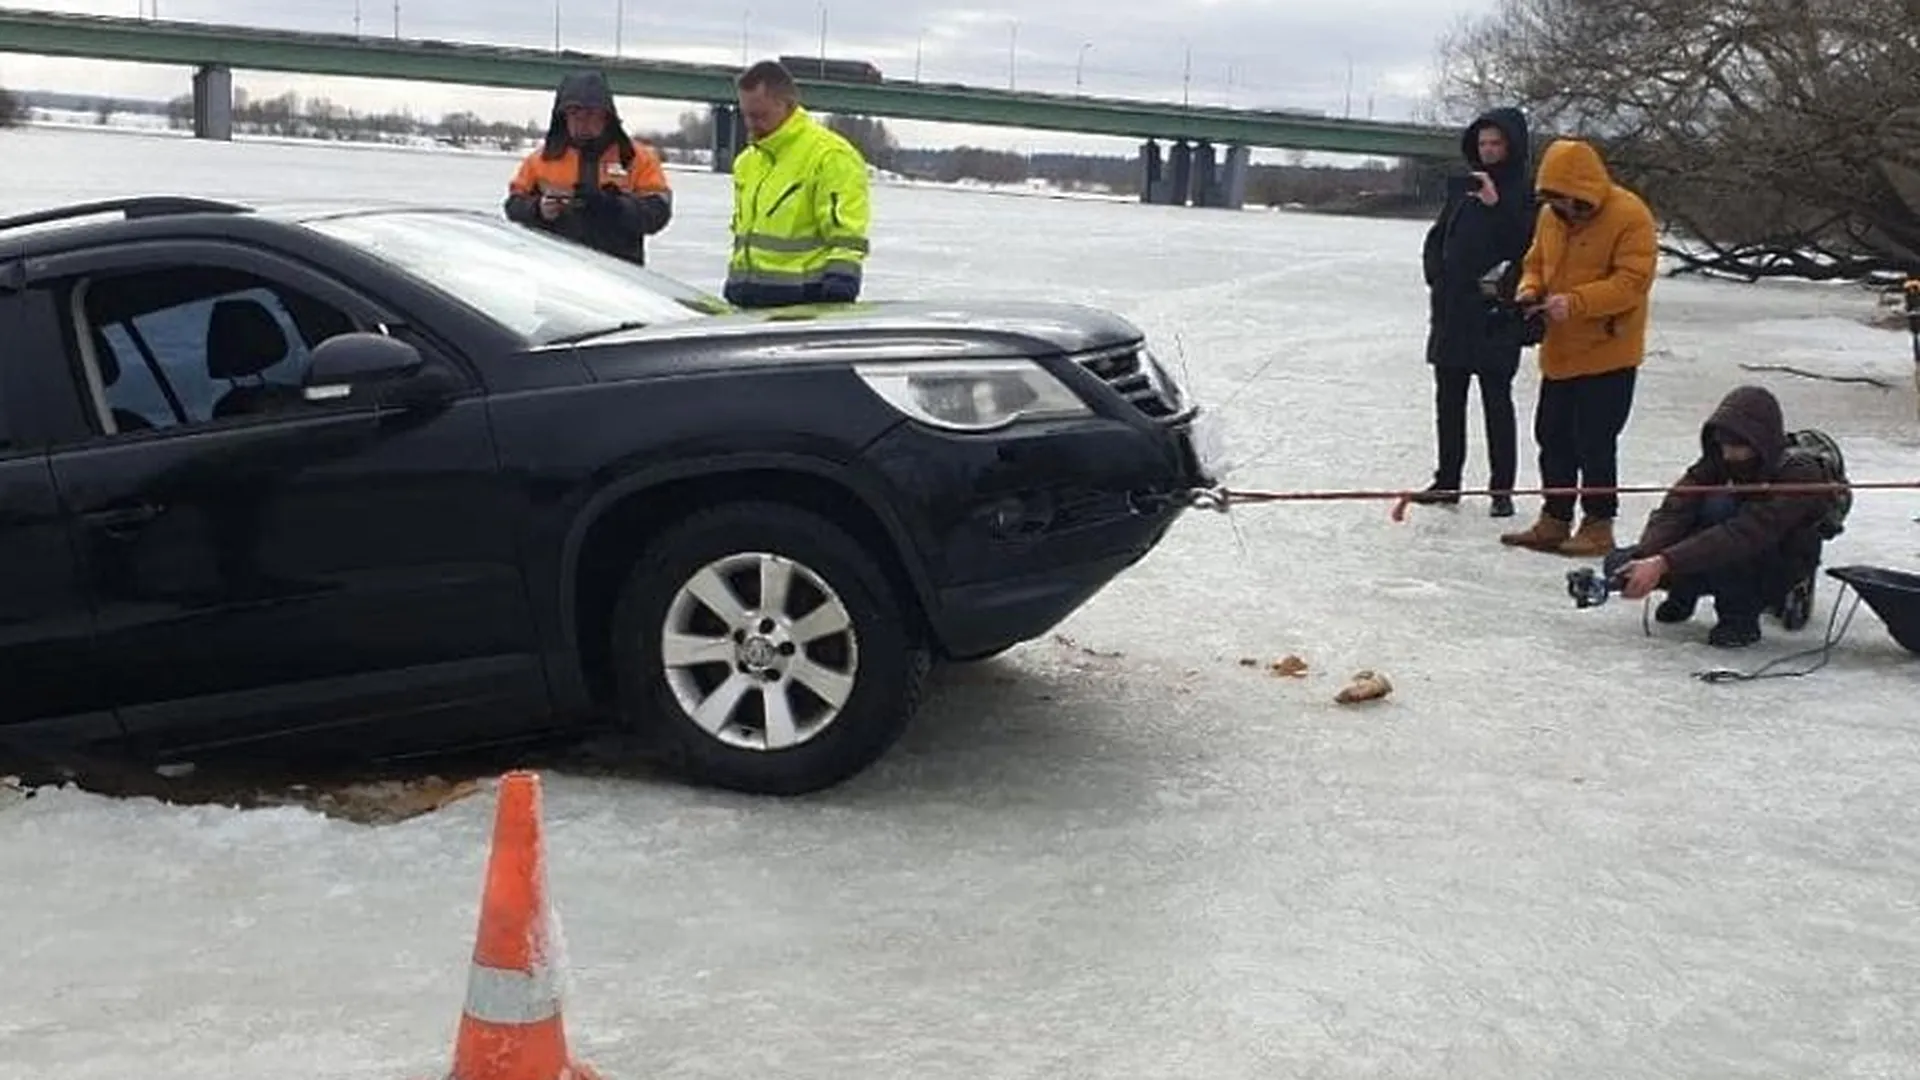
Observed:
{"x":1590,"y":588}
{"x":1512,"y":320}
{"x":1507,"y":317}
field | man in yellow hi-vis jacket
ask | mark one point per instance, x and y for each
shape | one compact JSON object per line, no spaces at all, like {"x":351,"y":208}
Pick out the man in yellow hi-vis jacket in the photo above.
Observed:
{"x":799,"y":201}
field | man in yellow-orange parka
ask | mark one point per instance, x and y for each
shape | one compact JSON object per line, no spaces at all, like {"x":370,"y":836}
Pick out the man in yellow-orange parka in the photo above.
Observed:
{"x":1590,"y":271}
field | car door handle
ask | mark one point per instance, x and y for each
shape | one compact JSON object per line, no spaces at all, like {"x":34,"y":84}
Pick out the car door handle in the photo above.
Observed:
{"x":123,"y":520}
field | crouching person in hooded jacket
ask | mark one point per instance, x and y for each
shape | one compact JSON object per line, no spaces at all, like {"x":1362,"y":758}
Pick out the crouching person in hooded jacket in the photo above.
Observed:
{"x":1748,"y":550}
{"x":590,"y":182}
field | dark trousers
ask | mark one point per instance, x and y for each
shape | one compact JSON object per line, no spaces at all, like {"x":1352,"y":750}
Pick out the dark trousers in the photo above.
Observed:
{"x":1740,"y":591}
{"x":1577,"y":424}
{"x":1450,"y":415}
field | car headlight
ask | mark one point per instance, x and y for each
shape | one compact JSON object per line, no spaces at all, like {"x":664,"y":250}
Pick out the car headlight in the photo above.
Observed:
{"x":972,"y":395}
{"x":1164,"y":382}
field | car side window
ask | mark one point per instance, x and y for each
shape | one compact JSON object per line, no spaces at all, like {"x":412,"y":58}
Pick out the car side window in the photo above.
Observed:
{"x":191,"y":346}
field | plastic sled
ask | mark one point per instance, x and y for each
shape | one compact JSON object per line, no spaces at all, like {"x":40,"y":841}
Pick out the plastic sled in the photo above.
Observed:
{"x":1893,"y":595}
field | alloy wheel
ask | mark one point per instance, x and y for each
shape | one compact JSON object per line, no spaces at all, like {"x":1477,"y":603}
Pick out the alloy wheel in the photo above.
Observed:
{"x":759,"y":651}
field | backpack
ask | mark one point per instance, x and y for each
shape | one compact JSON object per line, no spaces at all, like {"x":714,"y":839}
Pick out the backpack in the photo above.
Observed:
{"x":1816,"y":446}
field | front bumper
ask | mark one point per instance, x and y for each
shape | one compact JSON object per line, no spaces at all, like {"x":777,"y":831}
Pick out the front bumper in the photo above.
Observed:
{"x":1020,"y":528}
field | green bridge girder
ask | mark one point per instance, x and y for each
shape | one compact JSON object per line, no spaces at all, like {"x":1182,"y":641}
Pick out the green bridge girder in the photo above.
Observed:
{"x":244,"y":48}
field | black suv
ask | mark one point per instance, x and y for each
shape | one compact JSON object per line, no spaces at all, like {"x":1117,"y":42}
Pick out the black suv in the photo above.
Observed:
{"x":397,"y":481}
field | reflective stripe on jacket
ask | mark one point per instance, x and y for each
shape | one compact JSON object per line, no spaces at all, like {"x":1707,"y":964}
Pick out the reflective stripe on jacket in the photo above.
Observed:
{"x":799,"y":217}
{"x":642,"y":202}
{"x":561,"y":175}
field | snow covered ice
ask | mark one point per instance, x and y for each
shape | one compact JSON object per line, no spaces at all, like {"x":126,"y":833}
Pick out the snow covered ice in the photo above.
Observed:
{"x":1550,"y":854}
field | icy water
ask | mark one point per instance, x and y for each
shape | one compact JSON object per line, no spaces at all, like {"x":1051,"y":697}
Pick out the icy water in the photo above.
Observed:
{"x":1549,"y":854}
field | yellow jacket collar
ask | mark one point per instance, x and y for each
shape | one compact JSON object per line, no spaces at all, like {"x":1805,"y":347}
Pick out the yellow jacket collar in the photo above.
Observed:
{"x":788,"y":131}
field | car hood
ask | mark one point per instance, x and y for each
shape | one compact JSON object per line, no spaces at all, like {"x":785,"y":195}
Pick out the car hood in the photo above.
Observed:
{"x":843,"y":333}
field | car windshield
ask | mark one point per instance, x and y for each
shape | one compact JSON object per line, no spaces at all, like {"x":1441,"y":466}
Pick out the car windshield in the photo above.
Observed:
{"x":539,"y":286}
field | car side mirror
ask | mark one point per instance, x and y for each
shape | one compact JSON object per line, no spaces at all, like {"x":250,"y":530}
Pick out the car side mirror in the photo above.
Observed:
{"x":389,"y":368}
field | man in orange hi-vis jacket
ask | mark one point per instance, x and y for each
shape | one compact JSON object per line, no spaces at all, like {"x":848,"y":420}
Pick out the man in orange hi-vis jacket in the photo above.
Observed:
{"x":590,"y":182}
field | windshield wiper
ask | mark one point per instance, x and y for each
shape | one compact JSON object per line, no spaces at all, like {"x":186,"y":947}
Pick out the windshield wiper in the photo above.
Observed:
{"x":588,"y":335}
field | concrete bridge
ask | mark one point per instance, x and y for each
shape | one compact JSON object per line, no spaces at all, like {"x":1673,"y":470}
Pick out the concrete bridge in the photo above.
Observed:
{"x":1187,"y":171}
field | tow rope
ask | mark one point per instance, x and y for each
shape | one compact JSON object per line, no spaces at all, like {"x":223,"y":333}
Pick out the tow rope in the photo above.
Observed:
{"x":1222,"y":499}
{"x":1820,"y":654}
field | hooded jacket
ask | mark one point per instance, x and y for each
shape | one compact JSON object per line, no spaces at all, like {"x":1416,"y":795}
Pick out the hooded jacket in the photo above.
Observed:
{"x":618,"y":191}
{"x":1766,"y":526}
{"x":1468,"y":240}
{"x":1605,"y":265}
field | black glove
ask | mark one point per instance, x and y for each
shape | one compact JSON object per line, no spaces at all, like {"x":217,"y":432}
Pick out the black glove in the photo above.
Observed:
{"x":600,"y":202}
{"x":654,"y":212}
{"x":839,"y":288}
{"x":1617,"y":560}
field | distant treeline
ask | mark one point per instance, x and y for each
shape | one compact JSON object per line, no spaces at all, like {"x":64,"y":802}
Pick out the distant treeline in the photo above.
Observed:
{"x":9,"y":109}
{"x":1374,"y":188}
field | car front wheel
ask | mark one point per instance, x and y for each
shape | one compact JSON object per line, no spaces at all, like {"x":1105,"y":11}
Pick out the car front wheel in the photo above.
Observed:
{"x":765,"y":651}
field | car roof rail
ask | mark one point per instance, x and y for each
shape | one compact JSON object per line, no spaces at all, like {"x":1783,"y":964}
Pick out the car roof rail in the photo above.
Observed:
{"x":141,"y":206}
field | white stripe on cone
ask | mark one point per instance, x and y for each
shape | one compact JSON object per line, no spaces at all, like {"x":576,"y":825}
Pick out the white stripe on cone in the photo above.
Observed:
{"x":498,"y":996}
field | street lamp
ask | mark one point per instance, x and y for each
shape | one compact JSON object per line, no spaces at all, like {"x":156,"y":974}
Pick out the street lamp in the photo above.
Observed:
{"x":1013,"y":46}
{"x":919,"y":48}
{"x":1079,"y":64}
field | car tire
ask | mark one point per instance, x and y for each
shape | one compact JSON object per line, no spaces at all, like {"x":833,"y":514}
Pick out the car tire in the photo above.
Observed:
{"x":750,"y":659}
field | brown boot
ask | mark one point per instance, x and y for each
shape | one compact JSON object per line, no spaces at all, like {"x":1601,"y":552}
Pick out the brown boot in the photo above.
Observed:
{"x":1547,"y":533}
{"x":1593,"y":541}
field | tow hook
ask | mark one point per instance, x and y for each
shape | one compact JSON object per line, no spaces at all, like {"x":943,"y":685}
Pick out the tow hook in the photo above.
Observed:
{"x":1141,"y":503}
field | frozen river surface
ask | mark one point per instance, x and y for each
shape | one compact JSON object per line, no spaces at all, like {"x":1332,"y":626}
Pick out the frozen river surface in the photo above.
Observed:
{"x":1550,"y":854}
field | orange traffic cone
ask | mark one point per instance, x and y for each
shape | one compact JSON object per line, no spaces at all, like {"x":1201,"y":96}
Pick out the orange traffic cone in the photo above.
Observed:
{"x":511,"y":1027}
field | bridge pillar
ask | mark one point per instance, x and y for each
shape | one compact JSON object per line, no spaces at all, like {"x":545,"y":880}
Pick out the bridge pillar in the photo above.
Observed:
{"x":1181,"y":179}
{"x":213,"y":102}
{"x":1151,"y":168}
{"x":1230,"y":188}
{"x":1201,"y":183}
{"x":729,"y":136}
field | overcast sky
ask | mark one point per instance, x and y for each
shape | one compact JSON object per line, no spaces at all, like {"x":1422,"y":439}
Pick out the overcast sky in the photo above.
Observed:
{"x":1247,"y":53}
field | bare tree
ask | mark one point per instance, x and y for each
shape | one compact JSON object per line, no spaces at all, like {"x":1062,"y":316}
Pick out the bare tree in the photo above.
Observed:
{"x":1780,"y":136}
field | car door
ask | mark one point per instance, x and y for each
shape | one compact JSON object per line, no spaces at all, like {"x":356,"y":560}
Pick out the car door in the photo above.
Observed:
{"x":49,"y":697}
{"x":262,"y":566}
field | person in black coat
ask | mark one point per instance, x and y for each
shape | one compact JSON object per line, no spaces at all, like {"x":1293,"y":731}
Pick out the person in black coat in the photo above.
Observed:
{"x":1487,"y":221}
